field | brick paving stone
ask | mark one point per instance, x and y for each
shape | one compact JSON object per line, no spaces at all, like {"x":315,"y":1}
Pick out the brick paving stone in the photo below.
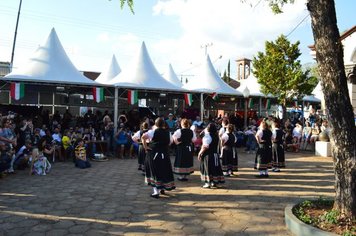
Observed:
{"x":79,"y":229}
{"x":63,"y":224}
{"x":111,"y":198}
{"x":214,"y":232}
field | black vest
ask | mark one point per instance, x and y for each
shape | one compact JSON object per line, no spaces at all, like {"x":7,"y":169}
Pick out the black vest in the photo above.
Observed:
{"x":186,"y":136}
{"x":267,"y":136}
{"x":161,"y":140}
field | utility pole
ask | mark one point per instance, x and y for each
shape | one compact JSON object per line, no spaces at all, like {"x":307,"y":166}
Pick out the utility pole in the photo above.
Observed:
{"x":14,"y":43}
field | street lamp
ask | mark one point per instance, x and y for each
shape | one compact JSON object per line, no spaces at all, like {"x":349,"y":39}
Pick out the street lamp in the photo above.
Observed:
{"x":246,"y":94}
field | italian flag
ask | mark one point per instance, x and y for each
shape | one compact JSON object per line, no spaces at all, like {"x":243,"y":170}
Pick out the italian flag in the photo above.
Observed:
{"x":132,"y":97}
{"x":98,"y":94}
{"x":188,"y":97}
{"x":214,"y":96}
{"x":267,"y":104}
{"x":250,"y":103}
{"x":17,"y":90}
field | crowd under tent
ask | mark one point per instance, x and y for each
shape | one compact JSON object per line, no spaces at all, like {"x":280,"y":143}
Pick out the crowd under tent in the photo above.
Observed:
{"x":51,"y":80}
{"x":111,"y":71}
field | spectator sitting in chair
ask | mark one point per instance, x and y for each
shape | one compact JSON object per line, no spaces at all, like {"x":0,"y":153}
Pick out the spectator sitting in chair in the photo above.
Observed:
{"x":81,"y":160}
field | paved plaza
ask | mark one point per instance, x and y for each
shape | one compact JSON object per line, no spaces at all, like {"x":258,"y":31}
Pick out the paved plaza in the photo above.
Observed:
{"x":111,"y":199}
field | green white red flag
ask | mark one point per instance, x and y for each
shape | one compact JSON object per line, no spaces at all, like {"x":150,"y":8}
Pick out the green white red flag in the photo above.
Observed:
{"x":17,"y":90}
{"x":214,"y":96}
{"x":188,"y":98}
{"x":98,"y":94}
{"x":132,"y":97}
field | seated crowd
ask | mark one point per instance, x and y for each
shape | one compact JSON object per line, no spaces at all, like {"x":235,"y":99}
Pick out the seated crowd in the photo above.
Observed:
{"x":36,"y":143}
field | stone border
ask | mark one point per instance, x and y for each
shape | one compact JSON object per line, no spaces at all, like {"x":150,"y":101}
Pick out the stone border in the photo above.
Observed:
{"x":299,"y":228}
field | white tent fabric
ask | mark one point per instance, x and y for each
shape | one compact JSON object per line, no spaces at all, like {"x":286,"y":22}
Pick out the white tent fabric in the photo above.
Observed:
{"x":318,"y":92}
{"x":171,"y":77}
{"x":311,"y":98}
{"x":142,"y":74}
{"x":253,"y":86}
{"x":50,"y":64}
{"x":112,"y":70}
{"x":207,"y":80}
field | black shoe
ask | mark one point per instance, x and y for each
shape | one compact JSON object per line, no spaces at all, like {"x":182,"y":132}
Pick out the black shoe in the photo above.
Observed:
{"x":154,"y":195}
{"x":259,"y":176}
{"x":139,"y":168}
{"x":180,"y":179}
{"x":162,"y":191}
{"x":184,"y":179}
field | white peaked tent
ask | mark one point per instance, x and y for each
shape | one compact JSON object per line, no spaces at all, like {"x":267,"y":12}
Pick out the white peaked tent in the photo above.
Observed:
{"x":253,"y":86}
{"x":112,"y":70}
{"x":142,"y":74}
{"x":50,"y":64}
{"x":171,"y":76}
{"x":207,"y":80}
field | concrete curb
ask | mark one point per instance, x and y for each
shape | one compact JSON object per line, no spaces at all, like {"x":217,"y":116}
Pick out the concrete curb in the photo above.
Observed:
{"x":299,"y":228}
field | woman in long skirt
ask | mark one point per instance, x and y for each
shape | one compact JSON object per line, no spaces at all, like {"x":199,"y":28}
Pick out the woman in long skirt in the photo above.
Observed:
{"x":264,"y":153}
{"x":277,"y":148}
{"x":184,"y":138}
{"x":141,"y":151}
{"x":158,"y":166}
{"x":210,"y":168}
{"x":228,"y":151}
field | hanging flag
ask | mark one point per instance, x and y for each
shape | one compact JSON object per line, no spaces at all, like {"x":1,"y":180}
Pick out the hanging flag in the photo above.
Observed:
{"x":214,"y":96}
{"x":250,"y":103}
{"x":98,"y":94}
{"x":132,"y":97}
{"x":267,"y":104}
{"x":17,"y":90}
{"x":188,"y":97}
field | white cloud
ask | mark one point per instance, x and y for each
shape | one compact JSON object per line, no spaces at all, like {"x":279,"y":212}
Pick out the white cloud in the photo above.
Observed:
{"x":236,"y":29}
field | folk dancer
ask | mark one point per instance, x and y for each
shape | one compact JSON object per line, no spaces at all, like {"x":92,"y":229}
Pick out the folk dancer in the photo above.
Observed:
{"x":277,"y":147}
{"x":141,"y":151}
{"x":210,"y":168}
{"x":158,"y":168}
{"x":229,"y":151}
{"x":264,"y":152}
{"x":184,"y":138}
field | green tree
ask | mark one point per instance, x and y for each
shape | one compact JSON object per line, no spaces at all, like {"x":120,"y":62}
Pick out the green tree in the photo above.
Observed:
{"x":330,"y":59}
{"x":280,"y":72}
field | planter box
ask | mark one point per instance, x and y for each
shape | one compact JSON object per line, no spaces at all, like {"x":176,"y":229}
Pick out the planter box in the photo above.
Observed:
{"x":299,"y":228}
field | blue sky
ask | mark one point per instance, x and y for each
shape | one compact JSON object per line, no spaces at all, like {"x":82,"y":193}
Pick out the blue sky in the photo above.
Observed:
{"x":174,"y":30}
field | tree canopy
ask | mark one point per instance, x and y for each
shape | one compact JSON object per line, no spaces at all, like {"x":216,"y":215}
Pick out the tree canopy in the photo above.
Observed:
{"x":280,"y":72}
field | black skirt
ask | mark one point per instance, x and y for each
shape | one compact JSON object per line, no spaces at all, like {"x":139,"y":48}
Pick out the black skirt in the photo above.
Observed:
{"x":141,"y":155}
{"x":158,"y":170}
{"x":183,"y":163}
{"x":210,"y":169}
{"x":229,"y":159}
{"x":278,"y":156}
{"x":263,"y":160}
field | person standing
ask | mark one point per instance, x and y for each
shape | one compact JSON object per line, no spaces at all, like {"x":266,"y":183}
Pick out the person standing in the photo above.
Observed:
{"x":264,"y":152}
{"x":210,"y":168}
{"x":141,"y":151}
{"x":277,"y":147}
{"x":184,"y":138}
{"x":158,"y":168}
{"x":228,"y":151}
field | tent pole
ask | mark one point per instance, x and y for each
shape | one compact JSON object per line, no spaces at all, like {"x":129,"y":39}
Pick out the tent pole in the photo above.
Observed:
{"x":202,"y":106}
{"x":53,"y":98}
{"x":116,"y":111}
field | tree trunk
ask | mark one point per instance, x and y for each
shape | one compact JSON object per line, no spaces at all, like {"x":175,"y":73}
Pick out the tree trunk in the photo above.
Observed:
{"x":329,"y":55}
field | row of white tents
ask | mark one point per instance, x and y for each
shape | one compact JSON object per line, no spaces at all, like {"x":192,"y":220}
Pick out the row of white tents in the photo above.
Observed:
{"x":51,"y":65}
